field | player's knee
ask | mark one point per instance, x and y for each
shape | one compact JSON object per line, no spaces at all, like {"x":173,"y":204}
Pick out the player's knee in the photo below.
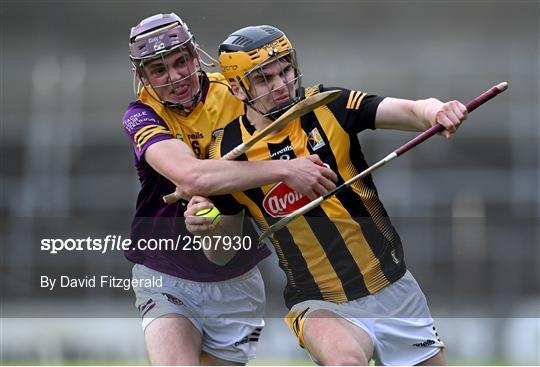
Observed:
{"x":438,"y":359}
{"x":352,"y":358}
{"x":172,"y":341}
{"x":174,"y":360}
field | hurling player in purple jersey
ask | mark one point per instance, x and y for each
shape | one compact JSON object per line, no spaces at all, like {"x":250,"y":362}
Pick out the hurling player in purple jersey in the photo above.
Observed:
{"x":201,"y":313}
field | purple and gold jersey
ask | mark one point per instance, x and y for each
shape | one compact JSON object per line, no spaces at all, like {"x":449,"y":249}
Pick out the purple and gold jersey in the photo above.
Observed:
{"x":344,"y":249}
{"x":147,"y":122}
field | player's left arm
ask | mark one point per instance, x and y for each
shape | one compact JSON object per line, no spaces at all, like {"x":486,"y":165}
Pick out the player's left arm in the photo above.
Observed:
{"x":420,"y":115}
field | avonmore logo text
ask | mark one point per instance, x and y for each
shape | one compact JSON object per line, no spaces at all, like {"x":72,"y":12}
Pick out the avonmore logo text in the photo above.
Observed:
{"x":281,"y":200}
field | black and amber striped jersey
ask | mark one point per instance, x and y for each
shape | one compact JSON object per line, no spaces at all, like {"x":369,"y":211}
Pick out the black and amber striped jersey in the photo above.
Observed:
{"x":344,"y":249}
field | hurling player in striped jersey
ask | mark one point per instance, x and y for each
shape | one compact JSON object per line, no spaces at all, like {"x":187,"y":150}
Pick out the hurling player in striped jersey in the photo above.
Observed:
{"x":349,"y":292}
{"x":201,"y":312}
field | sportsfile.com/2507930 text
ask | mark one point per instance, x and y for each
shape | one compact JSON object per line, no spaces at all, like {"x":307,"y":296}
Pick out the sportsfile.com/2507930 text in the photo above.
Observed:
{"x":118,"y":243}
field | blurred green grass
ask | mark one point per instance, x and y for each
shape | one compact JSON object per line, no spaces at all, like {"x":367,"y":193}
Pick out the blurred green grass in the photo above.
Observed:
{"x":256,"y":362}
{"x":75,"y":362}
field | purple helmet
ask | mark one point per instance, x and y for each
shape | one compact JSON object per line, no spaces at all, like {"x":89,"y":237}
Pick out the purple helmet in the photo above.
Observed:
{"x":153,"y":39}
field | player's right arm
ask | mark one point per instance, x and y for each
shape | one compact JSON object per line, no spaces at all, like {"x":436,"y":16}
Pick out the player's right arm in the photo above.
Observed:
{"x":420,"y":115}
{"x":174,"y":160}
{"x":154,"y":142}
{"x":358,"y":111}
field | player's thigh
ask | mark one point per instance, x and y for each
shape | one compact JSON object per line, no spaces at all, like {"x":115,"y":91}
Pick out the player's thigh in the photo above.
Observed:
{"x":233,"y":322}
{"x":173,"y":340}
{"x":210,"y":360}
{"x":405,"y":333}
{"x":332,"y":340}
{"x":170,"y":317}
{"x":438,"y":359}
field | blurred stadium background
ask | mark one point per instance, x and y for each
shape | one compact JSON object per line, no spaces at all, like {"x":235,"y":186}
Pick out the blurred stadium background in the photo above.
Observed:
{"x":468,"y":210}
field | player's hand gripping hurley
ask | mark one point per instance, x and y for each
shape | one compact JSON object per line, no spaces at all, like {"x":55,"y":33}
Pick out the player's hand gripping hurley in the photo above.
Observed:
{"x":301,"y":108}
{"x":471,"y":106}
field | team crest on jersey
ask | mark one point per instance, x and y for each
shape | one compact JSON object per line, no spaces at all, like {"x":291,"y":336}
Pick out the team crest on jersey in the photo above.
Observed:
{"x":281,"y":200}
{"x":315,"y":139}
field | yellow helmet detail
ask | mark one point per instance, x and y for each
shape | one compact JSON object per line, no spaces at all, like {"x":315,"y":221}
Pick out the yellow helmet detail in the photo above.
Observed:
{"x":248,"y":50}
{"x":237,"y":64}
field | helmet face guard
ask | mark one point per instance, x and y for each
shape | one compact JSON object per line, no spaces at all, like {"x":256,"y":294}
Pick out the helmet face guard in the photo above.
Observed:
{"x":246,"y":57}
{"x":262,"y":90}
{"x":159,"y":38}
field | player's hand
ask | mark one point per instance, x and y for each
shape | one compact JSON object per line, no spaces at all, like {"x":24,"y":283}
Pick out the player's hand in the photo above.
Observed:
{"x":450,"y":115}
{"x":309,"y":176}
{"x":198,"y":225}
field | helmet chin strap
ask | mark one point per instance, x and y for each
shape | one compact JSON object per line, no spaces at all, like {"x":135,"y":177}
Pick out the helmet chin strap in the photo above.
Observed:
{"x":184,"y":110}
{"x":276,"y":112}
{"x":194,"y":101}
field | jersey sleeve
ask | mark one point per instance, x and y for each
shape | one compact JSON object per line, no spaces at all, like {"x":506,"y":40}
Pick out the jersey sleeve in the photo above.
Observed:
{"x":227,"y":204}
{"x":355,"y":110}
{"x":144,"y":127}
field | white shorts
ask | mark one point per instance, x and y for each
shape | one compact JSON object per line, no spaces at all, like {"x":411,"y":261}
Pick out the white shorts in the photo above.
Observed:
{"x":229,"y":314}
{"x":397,"y":319}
